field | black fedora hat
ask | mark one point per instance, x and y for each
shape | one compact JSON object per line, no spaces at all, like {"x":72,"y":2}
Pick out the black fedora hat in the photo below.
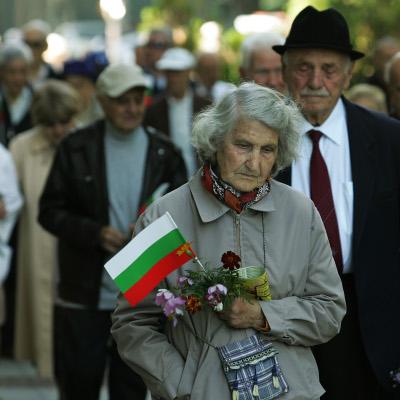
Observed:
{"x":313,"y":29}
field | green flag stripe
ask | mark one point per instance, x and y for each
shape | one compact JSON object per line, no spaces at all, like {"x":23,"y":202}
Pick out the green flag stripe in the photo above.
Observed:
{"x":151,"y":256}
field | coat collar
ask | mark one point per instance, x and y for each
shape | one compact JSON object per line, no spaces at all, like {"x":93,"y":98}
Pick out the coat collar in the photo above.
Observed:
{"x":210,"y":208}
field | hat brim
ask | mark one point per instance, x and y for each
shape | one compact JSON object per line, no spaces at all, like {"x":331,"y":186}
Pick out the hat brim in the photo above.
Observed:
{"x":354,"y":54}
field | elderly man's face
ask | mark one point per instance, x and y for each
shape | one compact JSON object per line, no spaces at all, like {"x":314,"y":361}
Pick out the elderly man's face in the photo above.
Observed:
{"x":247,"y":155}
{"x":316,"y":78}
{"x":36,"y":40}
{"x":266,"y":70}
{"x":394,"y":90}
{"x":125,"y":112}
{"x":15,"y":76}
{"x":177,"y":82}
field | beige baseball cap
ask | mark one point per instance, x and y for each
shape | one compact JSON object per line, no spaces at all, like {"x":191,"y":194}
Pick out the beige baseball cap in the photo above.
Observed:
{"x":116,"y":79}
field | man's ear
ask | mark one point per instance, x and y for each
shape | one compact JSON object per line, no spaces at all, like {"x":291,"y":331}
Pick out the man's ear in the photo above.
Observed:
{"x":349,"y":75}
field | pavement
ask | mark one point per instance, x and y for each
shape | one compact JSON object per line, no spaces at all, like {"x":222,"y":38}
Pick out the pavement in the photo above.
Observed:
{"x":19,"y":381}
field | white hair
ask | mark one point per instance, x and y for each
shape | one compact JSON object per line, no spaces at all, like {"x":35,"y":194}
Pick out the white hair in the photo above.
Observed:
{"x":37,"y":25}
{"x":253,"y":102}
{"x":256,"y":42}
{"x":14,"y":51}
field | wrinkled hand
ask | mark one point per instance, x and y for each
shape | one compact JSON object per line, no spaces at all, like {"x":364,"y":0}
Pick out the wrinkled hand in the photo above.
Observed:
{"x":112,"y":239}
{"x":2,"y":210}
{"x":242,"y":314}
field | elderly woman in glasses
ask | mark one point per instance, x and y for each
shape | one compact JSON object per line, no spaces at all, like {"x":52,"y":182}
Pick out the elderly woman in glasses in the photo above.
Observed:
{"x":54,"y":107}
{"x":15,"y":91}
{"x":233,"y":203}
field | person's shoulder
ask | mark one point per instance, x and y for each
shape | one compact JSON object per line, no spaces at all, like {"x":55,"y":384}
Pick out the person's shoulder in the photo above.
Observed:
{"x":84,"y":135}
{"x":159,"y":139}
{"x":23,"y":139}
{"x":375,"y":121}
{"x":173,"y":202}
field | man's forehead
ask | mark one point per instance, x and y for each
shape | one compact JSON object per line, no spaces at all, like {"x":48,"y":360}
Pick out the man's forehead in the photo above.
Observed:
{"x":133,"y":92}
{"x":316,"y":56}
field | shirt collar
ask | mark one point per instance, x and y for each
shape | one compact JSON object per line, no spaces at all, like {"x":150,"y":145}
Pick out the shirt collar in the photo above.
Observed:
{"x":210,"y":208}
{"x":330,"y":126}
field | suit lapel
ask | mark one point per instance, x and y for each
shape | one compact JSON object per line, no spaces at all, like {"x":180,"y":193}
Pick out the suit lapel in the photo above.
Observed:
{"x":285,"y":176}
{"x":363,"y":165}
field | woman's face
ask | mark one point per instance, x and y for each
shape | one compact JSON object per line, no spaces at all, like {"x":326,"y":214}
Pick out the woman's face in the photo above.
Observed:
{"x":247,"y":155}
{"x":56,"y":131}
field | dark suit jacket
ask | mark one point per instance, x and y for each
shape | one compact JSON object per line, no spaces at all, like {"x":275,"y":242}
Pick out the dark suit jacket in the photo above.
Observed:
{"x":157,"y":114}
{"x":375,"y":161}
{"x":74,"y":204}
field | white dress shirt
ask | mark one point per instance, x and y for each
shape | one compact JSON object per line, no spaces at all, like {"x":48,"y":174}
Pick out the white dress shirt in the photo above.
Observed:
{"x":334,"y":147}
{"x":180,"y":127}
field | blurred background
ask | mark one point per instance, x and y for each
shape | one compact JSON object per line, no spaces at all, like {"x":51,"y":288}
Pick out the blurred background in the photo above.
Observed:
{"x":80,"y":25}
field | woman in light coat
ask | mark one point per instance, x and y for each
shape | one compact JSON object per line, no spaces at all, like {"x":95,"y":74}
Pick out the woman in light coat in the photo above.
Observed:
{"x":232,"y":203}
{"x":53,"y":110}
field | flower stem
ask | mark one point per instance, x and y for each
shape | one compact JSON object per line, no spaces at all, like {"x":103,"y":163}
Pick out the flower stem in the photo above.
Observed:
{"x":196,"y":259}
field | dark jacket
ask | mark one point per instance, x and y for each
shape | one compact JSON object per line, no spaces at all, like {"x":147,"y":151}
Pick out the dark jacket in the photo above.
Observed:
{"x":7,"y":129}
{"x":157,"y":114}
{"x":374,"y":141}
{"x":74,"y":204}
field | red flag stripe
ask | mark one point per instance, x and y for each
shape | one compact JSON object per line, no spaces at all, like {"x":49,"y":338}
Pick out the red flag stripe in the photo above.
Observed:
{"x":156,"y":274}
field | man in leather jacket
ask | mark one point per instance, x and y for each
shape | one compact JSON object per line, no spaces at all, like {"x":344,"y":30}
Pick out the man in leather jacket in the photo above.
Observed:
{"x":102,"y":177}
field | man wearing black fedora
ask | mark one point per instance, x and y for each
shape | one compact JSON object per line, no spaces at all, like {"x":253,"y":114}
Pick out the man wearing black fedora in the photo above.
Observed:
{"x":349,"y":164}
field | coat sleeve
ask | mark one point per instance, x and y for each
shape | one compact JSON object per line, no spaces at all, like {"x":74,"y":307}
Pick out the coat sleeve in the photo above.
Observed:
{"x":144,"y":346}
{"x":56,"y":212}
{"x":315,"y":316}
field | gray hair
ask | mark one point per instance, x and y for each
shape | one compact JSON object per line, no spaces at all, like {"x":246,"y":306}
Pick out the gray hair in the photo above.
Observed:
{"x":14,"y":51}
{"x":249,"y":101}
{"x":37,"y":25}
{"x":256,"y":42}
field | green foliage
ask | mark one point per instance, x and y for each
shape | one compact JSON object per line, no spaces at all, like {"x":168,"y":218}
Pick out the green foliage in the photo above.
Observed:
{"x":202,"y":280}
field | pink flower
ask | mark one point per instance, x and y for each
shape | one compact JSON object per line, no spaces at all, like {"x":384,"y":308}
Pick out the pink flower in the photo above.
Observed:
{"x":184,"y":281}
{"x":217,"y":289}
{"x":174,"y":307}
{"x":162,"y":296}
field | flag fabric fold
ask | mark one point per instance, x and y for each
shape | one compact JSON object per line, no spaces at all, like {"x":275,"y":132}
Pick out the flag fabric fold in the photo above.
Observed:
{"x":148,"y":258}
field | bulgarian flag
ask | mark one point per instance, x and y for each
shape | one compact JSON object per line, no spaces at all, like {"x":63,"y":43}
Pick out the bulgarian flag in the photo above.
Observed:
{"x":148,"y":258}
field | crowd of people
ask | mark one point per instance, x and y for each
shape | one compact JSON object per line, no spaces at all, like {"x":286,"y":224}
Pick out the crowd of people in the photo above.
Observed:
{"x":292,"y":168}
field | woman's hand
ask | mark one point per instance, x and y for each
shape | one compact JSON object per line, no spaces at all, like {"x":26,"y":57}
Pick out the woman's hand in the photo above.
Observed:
{"x":243,"y":314}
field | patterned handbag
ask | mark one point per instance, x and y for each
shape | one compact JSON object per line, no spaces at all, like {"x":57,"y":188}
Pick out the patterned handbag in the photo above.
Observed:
{"x":252,"y":369}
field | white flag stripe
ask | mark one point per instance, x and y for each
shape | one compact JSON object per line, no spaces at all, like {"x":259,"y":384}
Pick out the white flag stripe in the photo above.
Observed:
{"x":141,"y":242}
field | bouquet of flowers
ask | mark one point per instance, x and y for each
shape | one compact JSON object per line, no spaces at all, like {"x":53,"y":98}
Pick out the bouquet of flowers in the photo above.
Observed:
{"x":214,"y":288}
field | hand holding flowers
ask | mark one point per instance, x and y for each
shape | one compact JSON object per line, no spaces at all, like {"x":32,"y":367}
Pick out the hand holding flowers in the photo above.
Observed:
{"x":216,"y":288}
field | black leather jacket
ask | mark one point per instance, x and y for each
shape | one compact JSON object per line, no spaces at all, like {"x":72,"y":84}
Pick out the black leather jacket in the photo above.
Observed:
{"x":74,"y":204}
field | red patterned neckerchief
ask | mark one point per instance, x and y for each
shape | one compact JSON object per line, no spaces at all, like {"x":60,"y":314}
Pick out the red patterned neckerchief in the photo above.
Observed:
{"x":227,"y":194}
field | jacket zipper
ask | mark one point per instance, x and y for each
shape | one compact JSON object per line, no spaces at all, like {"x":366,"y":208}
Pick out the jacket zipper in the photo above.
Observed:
{"x":237,"y":235}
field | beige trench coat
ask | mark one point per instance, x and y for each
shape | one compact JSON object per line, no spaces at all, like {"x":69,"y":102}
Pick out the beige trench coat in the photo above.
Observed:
{"x":284,"y":232}
{"x":33,"y":156}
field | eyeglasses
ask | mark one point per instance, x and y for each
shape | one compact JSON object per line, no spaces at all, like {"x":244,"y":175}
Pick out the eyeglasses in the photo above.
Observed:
{"x":35,"y":44}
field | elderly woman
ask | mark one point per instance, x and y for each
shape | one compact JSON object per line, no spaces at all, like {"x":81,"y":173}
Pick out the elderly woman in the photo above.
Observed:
{"x":15,"y":91}
{"x":233,"y":203}
{"x":54,"y":107}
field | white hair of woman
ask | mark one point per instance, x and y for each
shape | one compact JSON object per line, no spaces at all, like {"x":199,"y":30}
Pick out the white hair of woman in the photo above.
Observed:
{"x":249,"y":101}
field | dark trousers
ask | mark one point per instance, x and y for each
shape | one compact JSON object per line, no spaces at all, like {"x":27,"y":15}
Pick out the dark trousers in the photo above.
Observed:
{"x":345,"y":372}
{"x":84,"y":350}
